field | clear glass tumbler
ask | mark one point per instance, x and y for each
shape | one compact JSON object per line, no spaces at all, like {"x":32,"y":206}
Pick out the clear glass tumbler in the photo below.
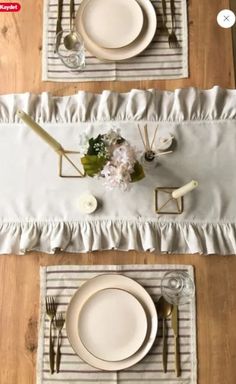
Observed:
{"x":177,"y":287}
{"x":72,"y":58}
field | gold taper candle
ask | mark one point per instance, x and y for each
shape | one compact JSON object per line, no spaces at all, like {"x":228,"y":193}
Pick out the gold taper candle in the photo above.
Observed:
{"x":40,"y":131}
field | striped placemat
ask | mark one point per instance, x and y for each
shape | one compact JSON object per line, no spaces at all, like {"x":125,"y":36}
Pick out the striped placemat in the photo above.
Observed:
{"x":63,"y":281}
{"x":158,"y":61}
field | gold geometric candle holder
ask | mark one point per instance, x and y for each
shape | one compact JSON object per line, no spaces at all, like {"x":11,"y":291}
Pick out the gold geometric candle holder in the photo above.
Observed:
{"x":165,"y":203}
{"x":76,"y":167}
{"x":73,"y":160}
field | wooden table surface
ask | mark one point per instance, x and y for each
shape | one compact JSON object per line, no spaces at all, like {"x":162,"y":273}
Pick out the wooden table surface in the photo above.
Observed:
{"x":211,"y":63}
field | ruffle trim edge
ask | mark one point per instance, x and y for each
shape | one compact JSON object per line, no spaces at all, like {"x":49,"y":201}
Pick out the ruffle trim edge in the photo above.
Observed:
{"x":151,"y":105}
{"x":79,"y":237}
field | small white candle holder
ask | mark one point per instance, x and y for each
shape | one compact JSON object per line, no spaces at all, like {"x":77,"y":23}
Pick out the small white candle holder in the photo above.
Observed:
{"x":165,"y":143}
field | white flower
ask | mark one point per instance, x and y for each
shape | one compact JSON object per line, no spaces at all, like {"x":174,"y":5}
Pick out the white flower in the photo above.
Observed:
{"x":83,"y":143}
{"x":111,"y":137}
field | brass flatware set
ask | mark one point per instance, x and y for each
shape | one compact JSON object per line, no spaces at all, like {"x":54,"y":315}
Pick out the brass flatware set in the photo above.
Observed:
{"x":174,"y":323}
{"x":59,"y":26}
{"x":71,"y":38}
{"x":172,"y":37}
{"x":166,"y":310}
{"x":59,"y":323}
{"x":57,"y":320}
{"x":173,"y":41}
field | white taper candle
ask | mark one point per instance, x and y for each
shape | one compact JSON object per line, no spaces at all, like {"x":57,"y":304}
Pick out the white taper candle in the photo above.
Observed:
{"x":185,"y":189}
{"x":40,"y":131}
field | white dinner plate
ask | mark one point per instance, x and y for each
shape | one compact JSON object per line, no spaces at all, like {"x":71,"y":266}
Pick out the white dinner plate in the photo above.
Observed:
{"x":137,"y":46}
{"x":112,"y":324}
{"x":124,"y":21}
{"x":79,"y":299}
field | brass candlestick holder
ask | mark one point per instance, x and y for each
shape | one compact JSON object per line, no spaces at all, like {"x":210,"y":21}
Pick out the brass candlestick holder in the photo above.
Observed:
{"x":165,"y":203}
{"x":56,"y":146}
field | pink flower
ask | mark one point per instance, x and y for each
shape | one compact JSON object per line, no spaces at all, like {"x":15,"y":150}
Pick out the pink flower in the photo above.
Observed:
{"x":116,"y":176}
{"x":124,"y":154}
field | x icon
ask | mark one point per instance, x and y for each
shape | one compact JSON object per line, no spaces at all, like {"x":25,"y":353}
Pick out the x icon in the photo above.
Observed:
{"x":226,"y":18}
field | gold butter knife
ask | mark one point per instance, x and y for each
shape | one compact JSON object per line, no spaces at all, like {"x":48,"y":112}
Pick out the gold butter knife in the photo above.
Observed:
{"x":164,"y":18}
{"x":58,"y":27}
{"x":174,"y":323}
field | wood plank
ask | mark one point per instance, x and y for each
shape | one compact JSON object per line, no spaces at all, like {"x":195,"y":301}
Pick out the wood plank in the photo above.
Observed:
{"x":232,"y":6}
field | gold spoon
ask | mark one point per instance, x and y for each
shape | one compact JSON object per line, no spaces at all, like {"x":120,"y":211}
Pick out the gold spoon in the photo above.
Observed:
{"x":71,"y":39}
{"x":164,"y":310}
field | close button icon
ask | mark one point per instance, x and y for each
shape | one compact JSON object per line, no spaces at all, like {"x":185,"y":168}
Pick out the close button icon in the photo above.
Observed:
{"x":226,"y":18}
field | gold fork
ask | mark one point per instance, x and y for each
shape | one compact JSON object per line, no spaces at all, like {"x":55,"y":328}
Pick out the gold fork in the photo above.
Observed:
{"x":59,"y":322}
{"x":173,"y":41}
{"x":51,"y":312}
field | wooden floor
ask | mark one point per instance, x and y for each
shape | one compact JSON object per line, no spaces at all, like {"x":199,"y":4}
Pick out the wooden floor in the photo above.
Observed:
{"x":211,"y":63}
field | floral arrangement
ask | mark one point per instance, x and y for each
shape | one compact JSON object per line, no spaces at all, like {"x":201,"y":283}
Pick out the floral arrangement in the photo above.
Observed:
{"x":112,"y":158}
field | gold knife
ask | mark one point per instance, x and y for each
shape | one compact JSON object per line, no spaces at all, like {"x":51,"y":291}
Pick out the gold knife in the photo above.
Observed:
{"x":59,"y":27}
{"x":164,"y":18}
{"x":174,"y":323}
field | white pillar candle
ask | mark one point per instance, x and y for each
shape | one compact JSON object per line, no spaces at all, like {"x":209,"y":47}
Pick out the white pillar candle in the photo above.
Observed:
{"x":87,"y":203}
{"x":40,"y":131}
{"x":185,"y":189}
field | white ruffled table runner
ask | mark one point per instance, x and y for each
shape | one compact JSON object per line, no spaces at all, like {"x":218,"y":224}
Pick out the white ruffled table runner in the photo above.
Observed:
{"x":39,"y":210}
{"x":62,"y":282}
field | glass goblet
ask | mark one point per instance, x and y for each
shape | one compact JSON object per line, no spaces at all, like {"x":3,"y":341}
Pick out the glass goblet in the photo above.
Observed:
{"x":73,"y":58}
{"x":177,"y":287}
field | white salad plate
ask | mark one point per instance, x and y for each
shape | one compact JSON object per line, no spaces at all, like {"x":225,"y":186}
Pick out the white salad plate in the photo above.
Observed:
{"x":112,"y":324}
{"x":82,"y":299}
{"x":112,"y":23}
{"x":137,"y":46}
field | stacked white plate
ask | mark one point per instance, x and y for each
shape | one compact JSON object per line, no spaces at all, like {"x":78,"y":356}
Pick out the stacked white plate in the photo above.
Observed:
{"x":116,"y":29}
{"x":111,"y":322}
